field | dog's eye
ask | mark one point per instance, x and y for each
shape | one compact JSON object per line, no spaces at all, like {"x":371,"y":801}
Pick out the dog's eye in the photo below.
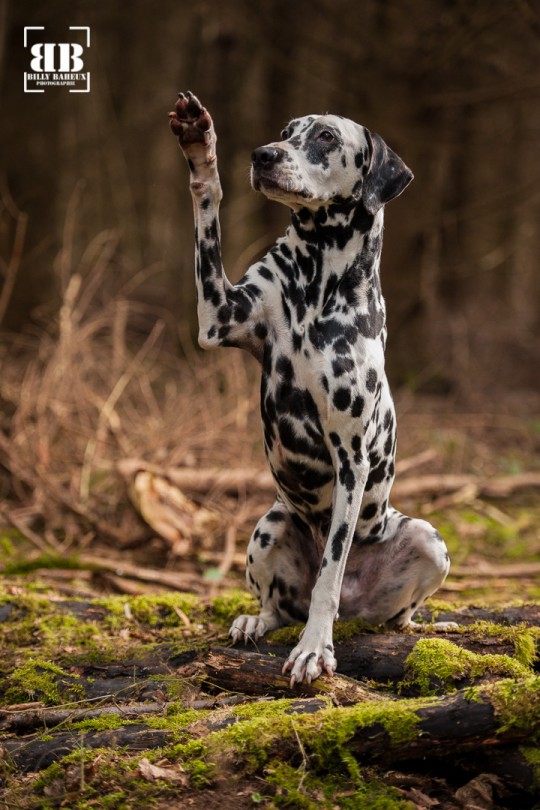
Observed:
{"x":326,"y":136}
{"x":284,"y":134}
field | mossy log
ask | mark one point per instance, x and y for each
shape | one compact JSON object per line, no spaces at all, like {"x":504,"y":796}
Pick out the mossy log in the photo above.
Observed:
{"x":381,"y":658}
{"x":528,"y":614}
{"x":39,"y":751}
{"x":365,"y":656}
{"x":502,"y":715}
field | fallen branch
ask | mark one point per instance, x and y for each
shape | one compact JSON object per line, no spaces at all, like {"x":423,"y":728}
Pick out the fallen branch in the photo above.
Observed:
{"x":36,"y":753}
{"x":49,"y":718}
{"x":169,"y":579}
{"x":501,"y":714}
{"x":256,"y":674}
{"x":528,"y":614}
{"x":483,"y":569}
{"x":203,"y":481}
{"x":373,"y":657}
{"x":38,"y":716}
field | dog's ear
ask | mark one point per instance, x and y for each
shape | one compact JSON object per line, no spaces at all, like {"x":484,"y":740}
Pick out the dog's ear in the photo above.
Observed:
{"x":387,"y":175}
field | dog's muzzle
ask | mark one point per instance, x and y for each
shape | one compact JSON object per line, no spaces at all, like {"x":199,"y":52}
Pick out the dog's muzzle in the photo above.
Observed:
{"x":265,"y":157}
{"x":264,"y":162}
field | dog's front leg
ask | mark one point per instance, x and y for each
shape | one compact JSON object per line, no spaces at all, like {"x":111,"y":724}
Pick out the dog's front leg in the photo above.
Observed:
{"x":226,"y":314}
{"x":315,"y":651}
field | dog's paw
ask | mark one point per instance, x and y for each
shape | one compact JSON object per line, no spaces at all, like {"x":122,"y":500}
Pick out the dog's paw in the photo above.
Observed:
{"x":248,"y":628}
{"x":190,"y":122}
{"x":439,"y":627}
{"x":445,"y":627}
{"x":313,"y":655}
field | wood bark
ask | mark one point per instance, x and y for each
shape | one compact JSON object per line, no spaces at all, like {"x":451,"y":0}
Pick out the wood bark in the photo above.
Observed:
{"x":450,"y":726}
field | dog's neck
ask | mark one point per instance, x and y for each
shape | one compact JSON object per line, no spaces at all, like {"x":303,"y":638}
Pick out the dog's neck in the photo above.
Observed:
{"x":337,"y":241}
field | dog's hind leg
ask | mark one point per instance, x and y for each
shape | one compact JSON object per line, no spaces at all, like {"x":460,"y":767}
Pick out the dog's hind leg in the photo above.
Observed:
{"x":281,"y":568}
{"x":386,"y":582}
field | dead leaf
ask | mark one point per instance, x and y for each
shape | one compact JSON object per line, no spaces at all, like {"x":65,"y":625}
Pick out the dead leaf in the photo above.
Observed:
{"x":152,"y":772}
{"x":419,"y":799}
{"x":478,"y":793}
{"x":170,"y":513}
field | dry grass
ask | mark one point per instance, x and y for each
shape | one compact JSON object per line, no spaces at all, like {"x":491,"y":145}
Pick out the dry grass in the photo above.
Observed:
{"x":105,"y":379}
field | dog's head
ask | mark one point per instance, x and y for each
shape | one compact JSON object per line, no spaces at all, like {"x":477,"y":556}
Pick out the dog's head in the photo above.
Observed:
{"x":328,"y":159}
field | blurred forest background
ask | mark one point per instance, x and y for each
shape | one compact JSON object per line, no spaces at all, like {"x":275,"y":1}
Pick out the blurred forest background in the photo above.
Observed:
{"x":452,"y":85}
{"x":97,"y":318}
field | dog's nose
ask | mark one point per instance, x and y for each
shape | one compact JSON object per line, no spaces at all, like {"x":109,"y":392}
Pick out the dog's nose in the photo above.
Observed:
{"x":264,"y":156}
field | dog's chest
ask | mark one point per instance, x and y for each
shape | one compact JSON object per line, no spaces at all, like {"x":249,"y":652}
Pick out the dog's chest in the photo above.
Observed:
{"x":307,"y":390}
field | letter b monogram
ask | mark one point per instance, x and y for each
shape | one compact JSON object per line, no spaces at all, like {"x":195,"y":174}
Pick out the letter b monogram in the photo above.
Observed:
{"x":69,"y":57}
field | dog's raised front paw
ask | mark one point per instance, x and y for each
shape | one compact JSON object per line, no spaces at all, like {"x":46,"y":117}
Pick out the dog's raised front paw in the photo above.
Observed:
{"x":313,"y":655}
{"x":189,"y":121}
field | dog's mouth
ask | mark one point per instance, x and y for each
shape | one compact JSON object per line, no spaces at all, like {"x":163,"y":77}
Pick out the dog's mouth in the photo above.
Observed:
{"x":275,"y":185}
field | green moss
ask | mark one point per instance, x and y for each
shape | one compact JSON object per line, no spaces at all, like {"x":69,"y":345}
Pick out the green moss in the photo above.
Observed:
{"x":270,"y":709}
{"x":298,"y":788}
{"x":161,"y":609}
{"x":39,"y":679}
{"x":233,"y":603}
{"x":346,"y":630}
{"x":176,"y":718}
{"x":517,"y":705}
{"x":435,"y":606}
{"x":306,"y":759}
{"x":105,"y":722}
{"x":525,"y":644}
{"x":114,"y":801}
{"x":435,"y":661}
{"x":324,"y":734}
{"x":67,"y":633}
{"x":98,"y":778}
{"x":7,"y":548}
{"x":26,"y":566}
{"x":342,"y":631}
{"x":195,"y":758}
{"x":50,"y":774}
{"x":154,"y":611}
{"x":267,"y":732}
{"x":285,"y":635}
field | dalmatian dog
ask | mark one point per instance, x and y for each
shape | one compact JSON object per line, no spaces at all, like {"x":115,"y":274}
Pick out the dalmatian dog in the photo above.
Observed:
{"x":312,"y":313}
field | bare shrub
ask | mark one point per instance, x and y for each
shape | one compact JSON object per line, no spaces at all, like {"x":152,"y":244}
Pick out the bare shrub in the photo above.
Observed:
{"x":104,"y":379}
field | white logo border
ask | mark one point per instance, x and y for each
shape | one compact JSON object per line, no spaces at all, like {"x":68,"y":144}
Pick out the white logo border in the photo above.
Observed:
{"x":71,"y":28}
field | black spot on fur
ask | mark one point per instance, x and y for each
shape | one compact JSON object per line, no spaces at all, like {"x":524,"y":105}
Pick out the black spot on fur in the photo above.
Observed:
{"x":261,"y":330}
{"x":342,"y":398}
{"x":357,"y":406}
{"x":371,"y":380}
{"x":369,"y":511}
{"x":292,"y":609}
{"x":341,"y":365}
{"x":337,"y":541}
{"x":275,"y":516}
